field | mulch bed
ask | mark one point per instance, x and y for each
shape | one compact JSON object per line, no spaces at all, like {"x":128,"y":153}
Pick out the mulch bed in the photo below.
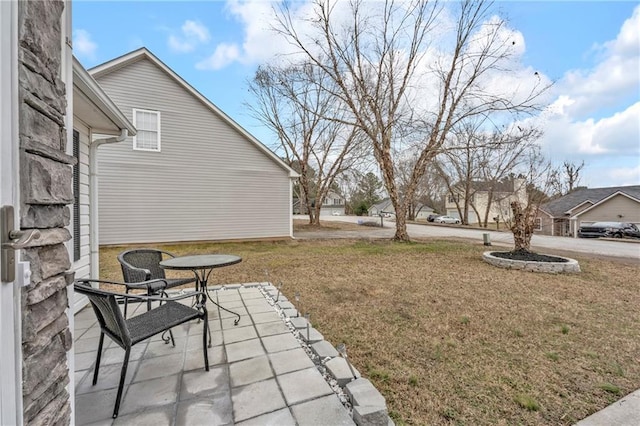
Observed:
{"x":527,"y":256}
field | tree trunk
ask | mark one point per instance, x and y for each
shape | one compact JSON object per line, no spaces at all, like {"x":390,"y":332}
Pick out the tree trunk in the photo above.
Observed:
{"x":522,"y":226}
{"x":401,"y":226}
{"x":316,"y":216}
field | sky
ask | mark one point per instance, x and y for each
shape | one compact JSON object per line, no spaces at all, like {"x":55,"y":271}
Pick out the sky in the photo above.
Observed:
{"x":590,"y":50}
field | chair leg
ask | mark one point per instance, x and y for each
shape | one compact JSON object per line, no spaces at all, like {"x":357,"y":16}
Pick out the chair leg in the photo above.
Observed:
{"x":126,"y":303}
{"x":205,"y":348}
{"x":97,"y":367}
{"x":123,"y":374}
{"x":170,"y":339}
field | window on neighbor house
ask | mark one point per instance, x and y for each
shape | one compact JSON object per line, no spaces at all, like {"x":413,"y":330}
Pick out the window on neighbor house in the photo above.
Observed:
{"x":538,"y":224}
{"x":147,"y":124}
{"x":454,"y":198}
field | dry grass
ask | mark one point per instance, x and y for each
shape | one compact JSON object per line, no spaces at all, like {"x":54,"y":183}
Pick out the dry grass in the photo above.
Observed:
{"x":449,"y":339}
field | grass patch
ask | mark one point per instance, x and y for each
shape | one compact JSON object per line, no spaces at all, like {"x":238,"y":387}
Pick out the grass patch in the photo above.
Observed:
{"x":553,"y":356}
{"x":399,"y":307}
{"x":565,"y":329}
{"x":527,"y":402}
{"x":611,"y":388}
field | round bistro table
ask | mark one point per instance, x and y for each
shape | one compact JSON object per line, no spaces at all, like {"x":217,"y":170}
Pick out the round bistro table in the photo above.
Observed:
{"x":202,"y":265}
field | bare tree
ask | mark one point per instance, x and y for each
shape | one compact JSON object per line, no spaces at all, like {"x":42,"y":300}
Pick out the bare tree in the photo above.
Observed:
{"x":567,"y":178}
{"x":379,"y":56}
{"x":293,"y":103}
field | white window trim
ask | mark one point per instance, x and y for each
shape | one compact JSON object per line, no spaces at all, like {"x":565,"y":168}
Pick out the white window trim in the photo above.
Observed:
{"x":135,"y":138}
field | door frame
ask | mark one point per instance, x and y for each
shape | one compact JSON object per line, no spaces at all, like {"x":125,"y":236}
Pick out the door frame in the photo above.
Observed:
{"x":10,"y":303}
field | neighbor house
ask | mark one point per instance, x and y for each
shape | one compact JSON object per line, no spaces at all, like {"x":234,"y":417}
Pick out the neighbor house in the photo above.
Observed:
{"x":191,"y":173}
{"x":486,"y":199}
{"x":385,"y":207}
{"x":333,"y":204}
{"x":563,"y":216}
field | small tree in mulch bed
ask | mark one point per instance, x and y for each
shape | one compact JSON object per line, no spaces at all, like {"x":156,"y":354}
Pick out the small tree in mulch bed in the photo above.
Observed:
{"x":523,"y":224}
{"x":523,"y":221}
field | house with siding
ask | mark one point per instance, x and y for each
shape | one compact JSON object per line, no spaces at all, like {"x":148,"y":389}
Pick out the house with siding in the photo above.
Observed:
{"x":563,"y":216}
{"x":486,"y":199}
{"x":333,"y":204}
{"x":94,"y":113}
{"x":191,"y":173}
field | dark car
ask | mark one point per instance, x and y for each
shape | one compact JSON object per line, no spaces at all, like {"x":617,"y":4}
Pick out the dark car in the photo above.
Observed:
{"x":431,"y":217}
{"x":609,"y":229}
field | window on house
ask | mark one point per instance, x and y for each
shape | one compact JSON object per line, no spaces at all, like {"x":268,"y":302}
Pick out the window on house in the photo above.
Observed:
{"x":147,"y":124}
{"x":538,"y":224}
{"x":454,"y":198}
{"x":76,"y":197}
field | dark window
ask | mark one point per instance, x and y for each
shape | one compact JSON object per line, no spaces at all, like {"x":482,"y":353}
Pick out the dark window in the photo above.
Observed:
{"x":76,"y":196}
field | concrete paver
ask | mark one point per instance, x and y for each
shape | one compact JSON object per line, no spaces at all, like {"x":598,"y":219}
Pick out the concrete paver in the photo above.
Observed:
{"x":256,"y":399}
{"x":259,"y":373}
{"x":303,"y":385}
{"x":323,"y":411}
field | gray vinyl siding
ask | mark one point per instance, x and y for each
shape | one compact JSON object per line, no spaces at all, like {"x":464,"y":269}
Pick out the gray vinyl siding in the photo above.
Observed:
{"x":617,"y":209}
{"x":208,"y":182}
{"x":82,"y":266}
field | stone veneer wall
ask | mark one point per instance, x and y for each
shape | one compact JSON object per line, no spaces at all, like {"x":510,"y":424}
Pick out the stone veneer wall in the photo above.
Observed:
{"x":46,"y":189}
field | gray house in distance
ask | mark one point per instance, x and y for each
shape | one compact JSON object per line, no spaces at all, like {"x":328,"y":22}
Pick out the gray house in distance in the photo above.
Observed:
{"x":191,"y":173}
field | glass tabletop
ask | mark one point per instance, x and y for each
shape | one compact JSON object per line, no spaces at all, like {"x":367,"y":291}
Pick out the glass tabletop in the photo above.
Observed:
{"x":200,"y":261}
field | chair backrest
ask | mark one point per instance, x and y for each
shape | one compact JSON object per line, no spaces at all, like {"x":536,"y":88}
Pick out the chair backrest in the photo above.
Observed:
{"x":133,"y":260}
{"x":105,"y":306}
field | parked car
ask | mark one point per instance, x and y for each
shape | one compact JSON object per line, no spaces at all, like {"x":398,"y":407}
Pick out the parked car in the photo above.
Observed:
{"x":432,"y":217}
{"x":609,"y":229}
{"x":446,"y":219}
{"x":335,"y":214}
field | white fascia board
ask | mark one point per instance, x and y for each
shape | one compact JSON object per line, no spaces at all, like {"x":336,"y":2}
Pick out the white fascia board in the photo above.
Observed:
{"x":86,"y":84}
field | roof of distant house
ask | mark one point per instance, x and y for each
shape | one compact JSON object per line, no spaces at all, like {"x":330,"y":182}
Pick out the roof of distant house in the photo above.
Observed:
{"x":562,"y":206}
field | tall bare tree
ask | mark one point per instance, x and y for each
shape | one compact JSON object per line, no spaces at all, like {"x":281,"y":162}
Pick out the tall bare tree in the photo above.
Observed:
{"x":379,"y":57}
{"x":293,"y":103}
{"x":566,"y":178}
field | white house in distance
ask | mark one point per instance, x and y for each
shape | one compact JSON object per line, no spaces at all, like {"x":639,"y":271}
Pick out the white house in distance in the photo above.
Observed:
{"x":191,"y":173}
{"x":492,"y":199}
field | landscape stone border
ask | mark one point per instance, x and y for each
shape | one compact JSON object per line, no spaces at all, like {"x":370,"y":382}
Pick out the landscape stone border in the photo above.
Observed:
{"x":569,"y":266}
{"x":364,"y":402}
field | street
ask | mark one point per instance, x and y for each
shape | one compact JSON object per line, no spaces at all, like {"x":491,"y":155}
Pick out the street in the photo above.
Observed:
{"x":626,"y":249}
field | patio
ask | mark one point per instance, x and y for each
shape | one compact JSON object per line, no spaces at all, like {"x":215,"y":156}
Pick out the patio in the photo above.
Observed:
{"x":259,"y":372}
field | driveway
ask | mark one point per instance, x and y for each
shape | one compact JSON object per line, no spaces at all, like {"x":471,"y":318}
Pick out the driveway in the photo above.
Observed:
{"x":627,"y":248}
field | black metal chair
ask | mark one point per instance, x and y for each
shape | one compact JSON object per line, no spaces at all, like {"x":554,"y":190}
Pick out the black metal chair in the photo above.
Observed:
{"x":140,"y":267}
{"x":128,"y":332}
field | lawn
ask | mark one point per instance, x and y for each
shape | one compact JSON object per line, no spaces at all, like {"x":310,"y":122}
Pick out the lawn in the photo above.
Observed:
{"x":449,"y":339}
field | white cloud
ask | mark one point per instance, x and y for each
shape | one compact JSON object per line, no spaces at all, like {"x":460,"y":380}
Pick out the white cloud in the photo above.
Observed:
{"x":614,"y":77}
{"x":83,"y":46}
{"x":593,"y":118}
{"x":191,"y":34}
{"x":224,"y":55}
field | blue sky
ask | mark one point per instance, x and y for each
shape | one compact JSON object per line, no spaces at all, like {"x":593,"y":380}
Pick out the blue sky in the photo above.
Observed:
{"x":591,"y":50}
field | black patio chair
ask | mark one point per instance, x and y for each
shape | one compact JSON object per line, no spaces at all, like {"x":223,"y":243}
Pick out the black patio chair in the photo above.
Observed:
{"x":140,"y":267}
{"x":128,"y":332}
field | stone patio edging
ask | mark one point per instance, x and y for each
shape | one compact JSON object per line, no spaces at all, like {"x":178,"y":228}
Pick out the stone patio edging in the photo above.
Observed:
{"x":364,"y":402}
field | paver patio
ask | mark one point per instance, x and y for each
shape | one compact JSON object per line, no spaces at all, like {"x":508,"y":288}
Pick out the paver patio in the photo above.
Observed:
{"x":259,"y":373}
